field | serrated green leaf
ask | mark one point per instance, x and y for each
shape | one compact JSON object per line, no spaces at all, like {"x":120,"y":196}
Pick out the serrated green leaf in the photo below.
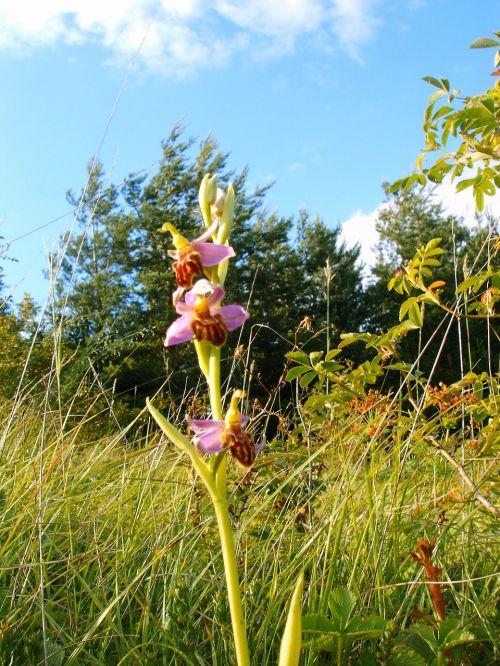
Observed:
{"x":429,"y":261}
{"x":315,"y":357}
{"x":299,"y":370}
{"x":415,"y":314}
{"x":370,"y":627}
{"x":318,"y":624}
{"x":299,"y":356}
{"x":475,"y":282}
{"x":331,"y":366}
{"x":434,"y":253}
{"x":432,"y":244}
{"x":341,"y":603}
{"x":406,"y":658}
{"x":422,"y":642}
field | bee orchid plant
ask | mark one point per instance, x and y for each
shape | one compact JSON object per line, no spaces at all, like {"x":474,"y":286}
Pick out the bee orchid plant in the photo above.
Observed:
{"x":204,"y":321}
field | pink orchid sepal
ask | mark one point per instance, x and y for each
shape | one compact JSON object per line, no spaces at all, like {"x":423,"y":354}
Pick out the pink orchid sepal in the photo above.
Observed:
{"x":217,"y":435}
{"x":202,"y":317}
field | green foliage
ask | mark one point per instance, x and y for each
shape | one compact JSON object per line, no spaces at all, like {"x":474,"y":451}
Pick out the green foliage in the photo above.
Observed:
{"x":436,"y":280}
{"x":115,"y":280}
{"x":436,"y":645}
{"x":337,"y":631}
{"x":473,"y":131}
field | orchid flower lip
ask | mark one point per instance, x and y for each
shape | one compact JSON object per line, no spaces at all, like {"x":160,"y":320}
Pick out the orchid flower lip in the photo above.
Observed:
{"x":202,"y":317}
{"x":216,"y":435}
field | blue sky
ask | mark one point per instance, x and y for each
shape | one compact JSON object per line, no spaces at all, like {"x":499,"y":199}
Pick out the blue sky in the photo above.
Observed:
{"x":323,"y":96}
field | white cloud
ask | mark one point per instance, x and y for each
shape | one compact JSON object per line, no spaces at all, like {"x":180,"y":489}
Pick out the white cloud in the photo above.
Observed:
{"x":353,"y":23}
{"x":462,"y":203}
{"x":360,"y":226}
{"x":182,"y":35}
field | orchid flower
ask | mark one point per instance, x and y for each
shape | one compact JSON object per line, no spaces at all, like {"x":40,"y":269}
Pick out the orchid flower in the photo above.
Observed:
{"x":214,"y":436}
{"x":193,"y":256}
{"x":202,"y":317}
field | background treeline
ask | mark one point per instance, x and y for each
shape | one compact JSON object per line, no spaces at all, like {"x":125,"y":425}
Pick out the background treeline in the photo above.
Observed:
{"x":112,"y":283}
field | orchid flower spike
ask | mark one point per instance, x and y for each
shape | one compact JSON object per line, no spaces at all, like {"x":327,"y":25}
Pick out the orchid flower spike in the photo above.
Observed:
{"x":201,"y":316}
{"x":214,"y":436}
{"x":192,"y":257}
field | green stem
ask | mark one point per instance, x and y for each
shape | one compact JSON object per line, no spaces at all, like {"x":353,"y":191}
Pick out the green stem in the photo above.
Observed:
{"x":214,"y":383}
{"x":219,"y":499}
{"x":201,"y":352}
{"x":340,"y":650}
{"x":233,"y":586}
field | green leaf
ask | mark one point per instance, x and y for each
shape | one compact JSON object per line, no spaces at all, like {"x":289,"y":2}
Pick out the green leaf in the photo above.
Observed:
{"x":292,"y":636}
{"x":405,"y":307}
{"x":308,"y":378}
{"x":406,"y":658}
{"x":422,"y":641}
{"x":479,"y":197}
{"x":475,"y":282}
{"x":331,"y":366}
{"x":299,"y":356}
{"x":299,"y":370}
{"x":370,"y":627}
{"x":433,"y":81}
{"x":437,"y":95}
{"x":451,"y":634}
{"x":433,"y":244}
{"x":484,"y":43}
{"x":315,"y":357}
{"x":318,"y":624}
{"x":442,"y":112}
{"x":466,"y":182}
{"x":183,"y":444}
{"x":341,"y":604}
{"x":415,"y":314}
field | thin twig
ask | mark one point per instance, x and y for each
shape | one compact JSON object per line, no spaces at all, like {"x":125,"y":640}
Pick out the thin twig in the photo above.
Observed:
{"x":477,"y":495}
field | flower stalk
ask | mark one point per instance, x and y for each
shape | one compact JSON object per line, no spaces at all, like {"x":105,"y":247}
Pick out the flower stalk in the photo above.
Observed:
{"x":207,"y":323}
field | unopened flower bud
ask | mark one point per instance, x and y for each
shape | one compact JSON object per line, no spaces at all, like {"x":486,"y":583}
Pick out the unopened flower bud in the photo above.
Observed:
{"x":226,"y":219}
{"x":207,"y":195}
{"x":218,"y":205}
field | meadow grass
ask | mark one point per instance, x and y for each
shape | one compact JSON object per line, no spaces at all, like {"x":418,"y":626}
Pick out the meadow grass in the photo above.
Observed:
{"x":109,"y":551}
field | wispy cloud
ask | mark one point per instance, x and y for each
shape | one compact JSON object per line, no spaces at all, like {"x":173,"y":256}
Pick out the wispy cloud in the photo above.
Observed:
{"x":182,"y":35}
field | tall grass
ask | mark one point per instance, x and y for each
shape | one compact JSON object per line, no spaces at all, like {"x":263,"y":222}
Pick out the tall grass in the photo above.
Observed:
{"x":109,"y":552}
